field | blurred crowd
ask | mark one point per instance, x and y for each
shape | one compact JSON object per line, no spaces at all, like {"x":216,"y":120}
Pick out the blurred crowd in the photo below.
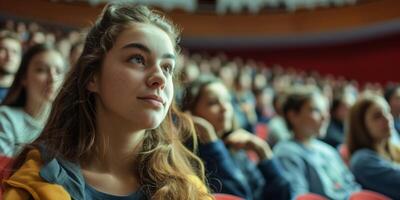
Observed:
{"x":264,"y":131}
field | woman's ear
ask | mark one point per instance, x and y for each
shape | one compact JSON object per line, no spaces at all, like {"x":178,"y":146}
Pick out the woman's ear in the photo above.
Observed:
{"x":92,"y":86}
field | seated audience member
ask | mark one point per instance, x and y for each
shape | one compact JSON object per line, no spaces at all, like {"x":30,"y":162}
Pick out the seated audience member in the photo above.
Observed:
{"x":312,"y":166}
{"x":392,"y":96}
{"x":10,"y":58}
{"x":243,"y":100}
{"x":111,"y":131}
{"x":263,"y":107}
{"x":27,"y":104}
{"x":278,"y":130}
{"x":374,"y":159}
{"x":223,"y":148}
{"x":339,"y":111}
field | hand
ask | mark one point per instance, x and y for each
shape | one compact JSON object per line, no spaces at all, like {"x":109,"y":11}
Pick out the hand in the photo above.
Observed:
{"x":241,"y":139}
{"x":204,"y":130}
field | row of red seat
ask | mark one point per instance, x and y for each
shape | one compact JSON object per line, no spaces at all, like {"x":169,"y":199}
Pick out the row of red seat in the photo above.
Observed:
{"x":362,"y":195}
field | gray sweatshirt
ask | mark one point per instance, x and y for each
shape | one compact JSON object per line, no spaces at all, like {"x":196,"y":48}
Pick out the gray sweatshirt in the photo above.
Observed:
{"x":316,"y":168}
{"x":17,"y":128}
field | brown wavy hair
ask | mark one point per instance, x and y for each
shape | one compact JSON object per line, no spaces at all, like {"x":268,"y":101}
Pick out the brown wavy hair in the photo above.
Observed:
{"x":357,"y":134}
{"x":166,"y":168}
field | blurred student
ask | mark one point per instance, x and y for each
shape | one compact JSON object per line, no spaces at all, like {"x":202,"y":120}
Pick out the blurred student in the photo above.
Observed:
{"x":10,"y":58}
{"x":339,"y":112}
{"x":27,"y":105}
{"x":312,"y":166}
{"x":224,"y":148}
{"x":375,"y":160}
{"x":392,"y":96}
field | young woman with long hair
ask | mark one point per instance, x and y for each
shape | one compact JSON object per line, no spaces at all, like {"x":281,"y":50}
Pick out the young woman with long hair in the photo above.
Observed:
{"x":113,"y":132}
{"x":223,"y":147}
{"x":374,"y":159}
{"x":27,"y":105}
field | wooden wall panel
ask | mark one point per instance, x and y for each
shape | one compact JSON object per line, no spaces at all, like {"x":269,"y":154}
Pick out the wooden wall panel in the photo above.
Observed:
{"x":212,"y":25}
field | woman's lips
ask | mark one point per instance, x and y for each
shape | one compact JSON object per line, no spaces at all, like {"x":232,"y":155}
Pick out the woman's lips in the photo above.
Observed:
{"x":153,"y":100}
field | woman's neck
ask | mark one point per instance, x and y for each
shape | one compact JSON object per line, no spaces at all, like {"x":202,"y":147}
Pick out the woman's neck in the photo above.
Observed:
{"x":382,"y":149}
{"x":38,"y":111}
{"x":119,"y":145}
{"x":6,"y":80}
{"x":112,"y":169}
{"x":302,"y":137}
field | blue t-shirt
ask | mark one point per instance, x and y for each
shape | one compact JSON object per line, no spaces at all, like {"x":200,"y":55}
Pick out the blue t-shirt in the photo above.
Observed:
{"x":93,"y":194}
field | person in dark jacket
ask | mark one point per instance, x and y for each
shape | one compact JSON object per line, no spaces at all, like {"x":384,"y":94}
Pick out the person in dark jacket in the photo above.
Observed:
{"x":339,"y":111}
{"x":224,"y":148}
{"x":374,"y":158}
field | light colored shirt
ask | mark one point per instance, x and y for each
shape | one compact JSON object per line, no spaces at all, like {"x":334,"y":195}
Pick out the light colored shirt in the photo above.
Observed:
{"x":17,"y":128}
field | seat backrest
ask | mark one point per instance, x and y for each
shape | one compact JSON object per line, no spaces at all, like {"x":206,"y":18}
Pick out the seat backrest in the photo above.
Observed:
{"x":310,"y":196}
{"x":368,"y":195}
{"x":261,"y":130}
{"x":5,"y":164}
{"x":220,"y":196}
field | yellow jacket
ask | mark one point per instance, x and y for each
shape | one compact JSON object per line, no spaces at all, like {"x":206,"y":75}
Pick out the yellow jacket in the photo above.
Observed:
{"x":27,"y":182}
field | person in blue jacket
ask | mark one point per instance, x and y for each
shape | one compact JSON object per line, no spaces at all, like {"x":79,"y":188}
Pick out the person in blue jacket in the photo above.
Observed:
{"x":374,"y":159}
{"x":224,"y":148}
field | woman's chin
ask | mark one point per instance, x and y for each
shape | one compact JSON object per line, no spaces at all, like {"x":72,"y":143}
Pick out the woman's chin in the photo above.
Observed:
{"x":149,"y":125}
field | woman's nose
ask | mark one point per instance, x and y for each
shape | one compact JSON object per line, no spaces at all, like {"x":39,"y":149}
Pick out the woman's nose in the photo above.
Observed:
{"x":157,"y":78}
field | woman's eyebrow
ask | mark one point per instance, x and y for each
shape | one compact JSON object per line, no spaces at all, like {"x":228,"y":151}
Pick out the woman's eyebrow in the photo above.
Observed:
{"x":137,"y":46}
{"x":41,"y":63}
{"x":147,"y":50}
{"x":169,"y":56}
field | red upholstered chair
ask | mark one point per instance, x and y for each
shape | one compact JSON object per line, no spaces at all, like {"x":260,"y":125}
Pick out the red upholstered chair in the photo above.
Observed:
{"x":5,"y":164}
{"x":261,"y":130}
{"x":310,"y":196}
{"x":219,"y":196}
{"x":368,"y":195}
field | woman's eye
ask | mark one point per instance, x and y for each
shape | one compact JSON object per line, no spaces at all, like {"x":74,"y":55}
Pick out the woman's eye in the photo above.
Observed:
{"x":168,"y":68}
{"x":137,"y":59}
{"x":212,"y":102}
{"x":378,"y":115}
{"x":41,"y":69}
{"x":59,"y":71}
